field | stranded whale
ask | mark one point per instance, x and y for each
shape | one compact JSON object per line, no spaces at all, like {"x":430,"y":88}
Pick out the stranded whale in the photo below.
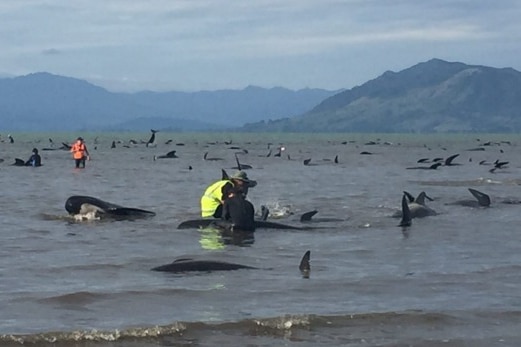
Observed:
{"x":207,"y":265}
{"x":259,"y":224}
{"x":482,"y":200}
{"x":417,"y":207}
{"x":88,"y":207}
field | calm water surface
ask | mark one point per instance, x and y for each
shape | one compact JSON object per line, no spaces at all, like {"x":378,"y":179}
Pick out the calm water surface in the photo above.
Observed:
{"x":451,"y":279}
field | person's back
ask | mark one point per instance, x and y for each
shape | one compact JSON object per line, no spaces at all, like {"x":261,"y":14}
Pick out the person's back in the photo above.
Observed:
{"x":35,"y":159}
{"x":240,"y":212}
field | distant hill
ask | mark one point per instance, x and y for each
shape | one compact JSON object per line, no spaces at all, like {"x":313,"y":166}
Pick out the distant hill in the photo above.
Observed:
{"x":46,"y":102}
{"x":433,"y":96}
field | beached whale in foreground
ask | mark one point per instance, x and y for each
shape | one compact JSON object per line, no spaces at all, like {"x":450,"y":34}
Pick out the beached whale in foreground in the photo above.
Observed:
{"x":88,"y":207}
{"x":207,"y":265}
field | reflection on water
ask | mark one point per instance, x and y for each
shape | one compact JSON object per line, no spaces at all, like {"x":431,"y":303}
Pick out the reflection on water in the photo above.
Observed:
{"x":214,"y":238}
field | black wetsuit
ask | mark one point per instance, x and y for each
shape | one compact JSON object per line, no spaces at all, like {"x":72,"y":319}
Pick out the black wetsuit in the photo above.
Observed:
{"x":225,"y":191}
{"x":240,"y":212}
{"x":34,"y":160}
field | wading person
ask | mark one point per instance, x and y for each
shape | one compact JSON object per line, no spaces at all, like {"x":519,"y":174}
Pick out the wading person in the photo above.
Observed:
{"x":213,"y":198}
{"x":80,"y":153}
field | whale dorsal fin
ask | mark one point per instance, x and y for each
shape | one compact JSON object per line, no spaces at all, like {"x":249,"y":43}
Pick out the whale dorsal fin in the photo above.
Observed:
{"x":304,"y":265}
{"x":483,"y":199}
{"x":420,"y":199}
{"x":224,"y":175}
{"x":409,"y":196}
{"x":406,"y":213}
{"x":306,"y":217}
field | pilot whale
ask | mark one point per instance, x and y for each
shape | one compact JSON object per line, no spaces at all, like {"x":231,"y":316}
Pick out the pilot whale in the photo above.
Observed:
{"x":417,"y":207}
{"x":259,"y":224}
{"x":186,"y":264}
{"x":88,"y":207}
{"x":481,"y":200}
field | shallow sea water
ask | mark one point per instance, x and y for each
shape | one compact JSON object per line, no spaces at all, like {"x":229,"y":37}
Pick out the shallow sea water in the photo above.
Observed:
{"x":452,"y":279}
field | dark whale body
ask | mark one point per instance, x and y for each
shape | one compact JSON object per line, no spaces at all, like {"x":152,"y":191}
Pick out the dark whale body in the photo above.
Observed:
{"x":481,"y":200}
{"x":259,"y":224}
{"x":79,"y":204}
{"x":190,"y":265}
{"x":184,"y":264}
{"x":203,"y":223}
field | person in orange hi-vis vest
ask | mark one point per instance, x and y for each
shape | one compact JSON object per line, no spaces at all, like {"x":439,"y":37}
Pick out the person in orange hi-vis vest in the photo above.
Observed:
{"x":80,"y":152}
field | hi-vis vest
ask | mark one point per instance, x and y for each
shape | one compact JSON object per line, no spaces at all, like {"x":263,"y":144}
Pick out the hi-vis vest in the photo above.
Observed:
{"x":78,"y":150}
{"x":212,"y":197}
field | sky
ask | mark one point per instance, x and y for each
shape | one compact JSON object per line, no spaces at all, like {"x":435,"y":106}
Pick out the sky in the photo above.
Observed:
{"x":192,"y":45}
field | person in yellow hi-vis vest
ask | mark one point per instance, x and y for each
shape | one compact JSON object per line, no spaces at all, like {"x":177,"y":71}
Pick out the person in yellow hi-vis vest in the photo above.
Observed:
{"x":213,"y":197}
{"x":80,"y":152}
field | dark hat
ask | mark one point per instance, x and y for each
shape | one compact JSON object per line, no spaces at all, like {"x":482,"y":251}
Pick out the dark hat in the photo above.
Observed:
{"x":243,"y":176}
{"x":79,"y":139}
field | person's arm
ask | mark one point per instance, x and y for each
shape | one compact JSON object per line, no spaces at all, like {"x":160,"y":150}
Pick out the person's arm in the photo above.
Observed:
{"x":225,"y":214}
{"x":225,"y":191}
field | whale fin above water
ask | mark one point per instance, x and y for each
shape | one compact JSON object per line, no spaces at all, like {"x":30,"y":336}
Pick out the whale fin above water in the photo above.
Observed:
{"x":224,"y":175}
{"x":406,"y":213}
{"x":152,"y":141}
{"x":169,"y":155}
{"x":449,"y":160}
{"x":416,"y":206}
{"x":409,"y":196}
{"x":241,"y":166}
{"x":304,"y":266}
{"x":483,"y":199}
{"x":18,"y":162}
{"x":432,"y":167}
{"x":420,"y":199}
{"x":306,"y":217}
{"x":265,"y":212}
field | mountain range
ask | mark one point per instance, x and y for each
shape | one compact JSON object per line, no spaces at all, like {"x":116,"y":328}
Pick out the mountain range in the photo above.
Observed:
{"x":432,"y":96}
{"x":47,"y":102}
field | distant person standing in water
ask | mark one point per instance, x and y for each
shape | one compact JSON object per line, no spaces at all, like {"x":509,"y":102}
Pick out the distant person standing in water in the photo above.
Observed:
{"x":80,"y":153}
{"x":35,"y":159}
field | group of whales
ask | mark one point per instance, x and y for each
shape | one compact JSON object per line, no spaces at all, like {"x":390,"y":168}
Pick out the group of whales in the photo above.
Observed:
{"x":89,"y":207}
{"x":412,"y":207}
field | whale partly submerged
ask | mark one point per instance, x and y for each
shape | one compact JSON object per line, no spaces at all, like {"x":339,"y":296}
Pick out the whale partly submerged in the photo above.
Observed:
{"x":188,"y":264}
{"x":88,"y":207}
